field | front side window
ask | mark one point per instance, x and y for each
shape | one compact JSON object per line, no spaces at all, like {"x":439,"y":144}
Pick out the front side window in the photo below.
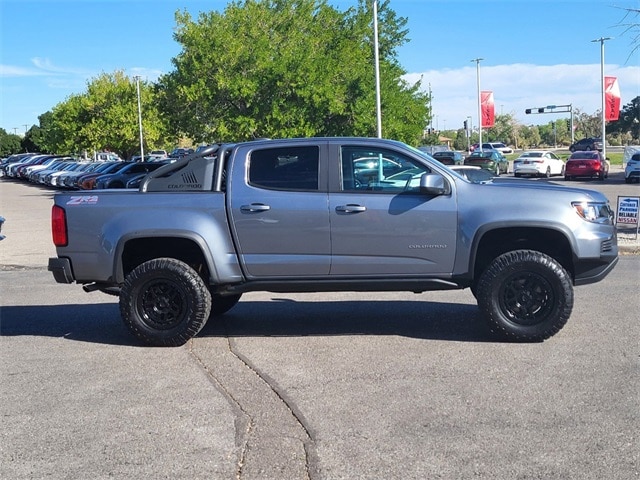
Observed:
{"x":285,"y":168}
{"x":378,"y":170}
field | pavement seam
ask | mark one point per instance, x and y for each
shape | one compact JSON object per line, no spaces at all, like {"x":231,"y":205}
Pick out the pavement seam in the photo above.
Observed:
{"x":249,"y":423}
{"x":273,"y":386}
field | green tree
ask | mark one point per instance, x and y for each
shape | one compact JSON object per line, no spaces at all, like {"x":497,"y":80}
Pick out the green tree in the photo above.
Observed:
{"x":9,"y":143}
{"x":284,"y":68}
{"x":502,"y":130}
{"x":105,"y":117}
{"x":35,"y":138}
{"x":587,"y":125}
{"x":460,"y":142}
{"x":529,"y":136}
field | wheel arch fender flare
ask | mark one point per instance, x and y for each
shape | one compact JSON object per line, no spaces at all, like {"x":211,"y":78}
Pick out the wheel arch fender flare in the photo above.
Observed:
{"x":219,"y":256}
{"x":515,"y":236}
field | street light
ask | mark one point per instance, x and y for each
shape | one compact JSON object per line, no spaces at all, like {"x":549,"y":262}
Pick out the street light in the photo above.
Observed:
{"x":477,"y":60}
{"x":377,"y":65}
{"x":604,"y":142}
{"x":137,"y":77}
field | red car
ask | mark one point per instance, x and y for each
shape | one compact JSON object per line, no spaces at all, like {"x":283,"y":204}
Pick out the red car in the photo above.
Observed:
{"x":586,"y":164}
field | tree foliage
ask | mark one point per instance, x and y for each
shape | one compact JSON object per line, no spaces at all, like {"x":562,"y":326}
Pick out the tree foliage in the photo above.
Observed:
{"x":285,"y":68}
{"x":105,"y":117}
{"x":9,"y":143}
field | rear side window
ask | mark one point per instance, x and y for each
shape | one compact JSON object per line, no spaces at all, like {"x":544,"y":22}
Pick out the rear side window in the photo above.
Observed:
{"x":285,"y":168}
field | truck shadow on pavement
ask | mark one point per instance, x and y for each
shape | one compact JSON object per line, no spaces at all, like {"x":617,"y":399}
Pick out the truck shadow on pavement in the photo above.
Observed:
{"x":101,"y":323}
{"x":97,"y":323}
{"x":415,"y":319}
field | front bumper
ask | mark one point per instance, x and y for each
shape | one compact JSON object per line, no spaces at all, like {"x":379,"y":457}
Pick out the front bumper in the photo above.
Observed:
{"x":61,"y":269}
{"x":594,"y":271}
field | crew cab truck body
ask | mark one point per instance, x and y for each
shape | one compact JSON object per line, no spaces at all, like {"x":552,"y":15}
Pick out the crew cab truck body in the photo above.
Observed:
{"x":330,"y":214}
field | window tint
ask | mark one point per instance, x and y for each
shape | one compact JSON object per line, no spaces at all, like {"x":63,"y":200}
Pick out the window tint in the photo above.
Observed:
{"x":285,"y":168}
{"x":366,"y":169}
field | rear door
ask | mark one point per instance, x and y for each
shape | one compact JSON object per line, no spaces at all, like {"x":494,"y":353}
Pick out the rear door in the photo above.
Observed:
{"x":279,"y":209}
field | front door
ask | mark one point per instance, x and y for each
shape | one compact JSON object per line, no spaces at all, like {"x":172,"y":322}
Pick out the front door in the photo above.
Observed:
{"x":381,"y":225}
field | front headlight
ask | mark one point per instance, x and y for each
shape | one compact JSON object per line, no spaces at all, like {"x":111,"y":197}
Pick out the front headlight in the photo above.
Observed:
{"x":597,"y":212}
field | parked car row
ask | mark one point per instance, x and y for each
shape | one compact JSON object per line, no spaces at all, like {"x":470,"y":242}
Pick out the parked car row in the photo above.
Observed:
{"x":582,"y":163}
{"x":71,"y":173}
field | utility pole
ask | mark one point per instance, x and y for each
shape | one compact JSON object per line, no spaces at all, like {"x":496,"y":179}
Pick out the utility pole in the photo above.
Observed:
{"x":477,"y":60}
{"x":137,"y":77}
{"x":377,"y":66}
{"x":604,"y":141}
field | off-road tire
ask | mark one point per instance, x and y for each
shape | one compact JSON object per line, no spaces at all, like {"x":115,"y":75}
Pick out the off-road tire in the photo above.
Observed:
{"x":525,"y":296}
{"x":164,"y":302}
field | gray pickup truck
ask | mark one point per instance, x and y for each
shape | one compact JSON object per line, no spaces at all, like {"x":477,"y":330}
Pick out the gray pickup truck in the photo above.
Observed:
{"x":330,"y":214}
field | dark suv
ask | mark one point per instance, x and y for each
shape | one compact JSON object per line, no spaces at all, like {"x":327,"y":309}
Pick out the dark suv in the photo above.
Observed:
{"x":587,"y":144}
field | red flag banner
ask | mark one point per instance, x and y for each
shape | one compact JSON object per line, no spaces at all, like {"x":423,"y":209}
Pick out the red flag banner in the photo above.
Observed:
{"x":611,"y":99}
{"x":488,"y":113}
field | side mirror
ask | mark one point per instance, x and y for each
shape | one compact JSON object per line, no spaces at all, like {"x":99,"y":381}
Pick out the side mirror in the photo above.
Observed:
{"x":434,"y":184}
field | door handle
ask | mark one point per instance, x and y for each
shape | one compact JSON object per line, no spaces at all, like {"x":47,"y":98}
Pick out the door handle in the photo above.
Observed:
{"x":255,"y":207}
{"x":350,"y":208}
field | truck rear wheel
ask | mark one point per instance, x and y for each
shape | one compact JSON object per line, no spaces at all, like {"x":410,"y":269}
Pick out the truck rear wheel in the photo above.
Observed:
{"x":164,"y":302}
{"x":525,"y":296}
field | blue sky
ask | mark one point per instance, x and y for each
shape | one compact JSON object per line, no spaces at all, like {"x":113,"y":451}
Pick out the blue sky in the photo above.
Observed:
{"x":535,"y":53}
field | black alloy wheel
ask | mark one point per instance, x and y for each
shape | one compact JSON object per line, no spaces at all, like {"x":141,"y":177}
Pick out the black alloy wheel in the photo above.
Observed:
{"x":164,"y":302}
{"x":525,"y":296}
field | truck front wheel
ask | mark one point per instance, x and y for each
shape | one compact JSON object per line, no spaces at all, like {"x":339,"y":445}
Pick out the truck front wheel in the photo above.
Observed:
{"x":164,"y":302}
{"x":525,"y":296}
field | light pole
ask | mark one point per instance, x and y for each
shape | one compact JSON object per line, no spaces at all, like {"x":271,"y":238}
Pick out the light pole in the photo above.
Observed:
{"x":477,"y":60}
{"x":604,"y":142}
{"x":137,"y":77}
{"x":377,"y":64}
{"x":468,"y":132}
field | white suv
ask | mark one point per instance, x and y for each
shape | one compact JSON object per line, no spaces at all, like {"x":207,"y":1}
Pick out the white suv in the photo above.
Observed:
{"x":632,"y":170}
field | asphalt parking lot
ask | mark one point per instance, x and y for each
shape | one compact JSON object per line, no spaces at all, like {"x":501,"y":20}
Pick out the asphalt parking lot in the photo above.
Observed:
{"x":309,"y":386}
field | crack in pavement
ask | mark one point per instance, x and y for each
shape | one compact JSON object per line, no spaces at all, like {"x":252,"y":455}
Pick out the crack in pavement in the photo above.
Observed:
{"x":272,"y":439}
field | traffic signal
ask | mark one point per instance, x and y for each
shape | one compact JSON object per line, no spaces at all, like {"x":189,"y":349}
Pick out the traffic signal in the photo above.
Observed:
{"x":569,"y":127}
{"x":527,"y":111}
{"x":465,"y":126}
{"x":541,"y":110}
